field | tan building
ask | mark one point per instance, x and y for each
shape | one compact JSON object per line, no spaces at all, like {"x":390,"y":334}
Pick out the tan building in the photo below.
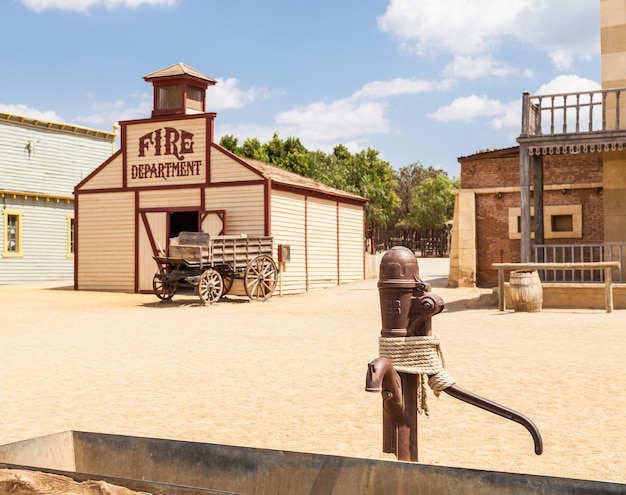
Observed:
{"x":170,"y":176}
{"x":560,"y":135}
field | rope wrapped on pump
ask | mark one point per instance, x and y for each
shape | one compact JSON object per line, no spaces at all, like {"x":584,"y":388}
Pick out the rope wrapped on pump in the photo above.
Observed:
{"x":421,"y":356}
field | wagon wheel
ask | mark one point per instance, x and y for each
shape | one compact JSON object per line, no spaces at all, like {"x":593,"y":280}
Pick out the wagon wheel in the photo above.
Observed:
{"x":228,"y":276}
{"x":260,"y":278}
{"x":163,"y":289}
{"x":210,"y":286}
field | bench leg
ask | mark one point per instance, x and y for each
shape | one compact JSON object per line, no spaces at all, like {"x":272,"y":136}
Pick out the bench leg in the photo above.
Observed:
{"x":501,"y":298}
{"x":608,"y":290}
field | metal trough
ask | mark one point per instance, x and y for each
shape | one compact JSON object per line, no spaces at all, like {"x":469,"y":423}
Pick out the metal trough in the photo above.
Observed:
{"x":190,"y":468}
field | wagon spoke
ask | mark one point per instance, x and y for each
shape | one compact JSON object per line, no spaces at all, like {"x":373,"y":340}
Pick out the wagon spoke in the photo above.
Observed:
{"x":260,"y":278}
{"x":210,"y":286}
{"x":162,"y":287}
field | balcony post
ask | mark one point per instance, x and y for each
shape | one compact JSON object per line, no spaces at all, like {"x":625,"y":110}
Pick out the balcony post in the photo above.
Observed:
{"x":524,"y":203}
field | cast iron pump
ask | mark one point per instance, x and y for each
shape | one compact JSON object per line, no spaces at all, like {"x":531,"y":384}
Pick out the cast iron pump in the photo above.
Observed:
{"x":410,"y":357}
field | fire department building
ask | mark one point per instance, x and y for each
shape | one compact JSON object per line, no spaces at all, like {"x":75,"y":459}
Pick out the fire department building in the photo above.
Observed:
{"x":170,"y":176}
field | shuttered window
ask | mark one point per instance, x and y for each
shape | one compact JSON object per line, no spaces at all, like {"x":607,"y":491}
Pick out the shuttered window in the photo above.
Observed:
{"x":70,"y":236}
{"x":12,"y":234}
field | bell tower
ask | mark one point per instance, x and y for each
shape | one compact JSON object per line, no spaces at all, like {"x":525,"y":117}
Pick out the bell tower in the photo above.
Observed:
{"x":179,"y":90}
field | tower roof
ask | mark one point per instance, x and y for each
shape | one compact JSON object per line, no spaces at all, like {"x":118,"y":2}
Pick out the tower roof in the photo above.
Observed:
{"x":179,"y":69}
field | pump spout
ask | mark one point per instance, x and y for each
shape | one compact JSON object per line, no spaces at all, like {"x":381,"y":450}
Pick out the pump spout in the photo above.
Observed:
{"x":382,"y":377}
{"x":500,"y":410}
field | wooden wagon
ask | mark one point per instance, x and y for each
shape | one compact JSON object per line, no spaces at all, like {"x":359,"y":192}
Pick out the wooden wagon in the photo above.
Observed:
{"x":210,"y":264}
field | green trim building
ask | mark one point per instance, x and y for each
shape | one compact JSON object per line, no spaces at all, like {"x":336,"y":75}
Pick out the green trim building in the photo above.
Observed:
{"x":40,"y":163}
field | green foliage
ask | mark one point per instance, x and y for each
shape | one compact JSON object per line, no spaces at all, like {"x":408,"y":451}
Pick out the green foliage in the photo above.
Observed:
{"x":407,"y":179}
{"x":432,"y":202}
{"x":363,"y":173}
{"x":229,"y":142}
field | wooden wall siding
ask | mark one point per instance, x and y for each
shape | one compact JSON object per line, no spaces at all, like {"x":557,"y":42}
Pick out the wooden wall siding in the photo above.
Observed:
{"x":134,"y":132}
{"x":322,"y":243}
{"x":170,"y":198}
{"x":58,"y":162}
{"x":107,"y":177}
{"x":44,"y":242}
{"x":214,"y":223}
{"x":146,"y":266}
{"x":351,"y":248}
{"x":288,"y":227}
{"x":225,"y":169}
{"x":106,"y":242}
{"x":245,"y":207}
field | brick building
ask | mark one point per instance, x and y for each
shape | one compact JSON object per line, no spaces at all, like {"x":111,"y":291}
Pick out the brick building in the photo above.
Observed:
{"x":570,"y":165}
{"x":573,"y":204}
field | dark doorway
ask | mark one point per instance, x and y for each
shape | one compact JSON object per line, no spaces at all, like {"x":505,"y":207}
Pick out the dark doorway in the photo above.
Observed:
{"x":183,"y":221}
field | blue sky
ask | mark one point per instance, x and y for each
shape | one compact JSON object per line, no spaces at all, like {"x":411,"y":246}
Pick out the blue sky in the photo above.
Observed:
{"x":418,"y":80}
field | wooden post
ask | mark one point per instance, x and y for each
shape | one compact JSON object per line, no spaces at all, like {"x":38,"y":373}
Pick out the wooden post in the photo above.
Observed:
{"x":501,"y":295}
{"x":608,"y":289}
{"x":524,"y":203}
{"x":538,"y":202}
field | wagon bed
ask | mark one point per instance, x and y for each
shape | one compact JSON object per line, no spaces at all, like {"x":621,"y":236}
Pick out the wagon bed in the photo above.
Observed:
{"x":210,"y":264}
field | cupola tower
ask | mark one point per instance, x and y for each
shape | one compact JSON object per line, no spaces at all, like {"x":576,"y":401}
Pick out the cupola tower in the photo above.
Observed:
{"x":179,"y":90}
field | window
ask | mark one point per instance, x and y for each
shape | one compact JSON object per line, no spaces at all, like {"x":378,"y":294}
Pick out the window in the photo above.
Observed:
{"x":12,"y":234}
{"x":70,"y":236}
{"x":558,"y":222}
{"x":170,"y":96}
{"x":562,"y":223}
{"x":195,"y":98}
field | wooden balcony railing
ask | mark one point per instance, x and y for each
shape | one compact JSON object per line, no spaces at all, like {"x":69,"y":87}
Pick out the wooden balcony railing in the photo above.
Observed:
{"x":573,"y":113}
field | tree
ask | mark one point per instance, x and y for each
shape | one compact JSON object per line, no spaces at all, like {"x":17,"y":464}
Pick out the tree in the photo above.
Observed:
{"x":230,"y":142}
{"x":252,"y":148}
{"x":363,"y":173}
{"x":408,"y":178}
{"x":432,"y":203}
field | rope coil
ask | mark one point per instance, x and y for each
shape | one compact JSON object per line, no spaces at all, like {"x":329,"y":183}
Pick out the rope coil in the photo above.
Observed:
{"x":421,"y":356}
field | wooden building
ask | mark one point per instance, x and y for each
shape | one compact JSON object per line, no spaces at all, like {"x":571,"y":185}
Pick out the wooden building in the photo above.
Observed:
{"x":170,"y":176}
{"x":40,"y":162}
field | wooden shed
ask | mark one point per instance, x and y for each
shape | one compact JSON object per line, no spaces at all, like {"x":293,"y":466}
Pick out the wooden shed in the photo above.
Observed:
{"x":170,"y":176}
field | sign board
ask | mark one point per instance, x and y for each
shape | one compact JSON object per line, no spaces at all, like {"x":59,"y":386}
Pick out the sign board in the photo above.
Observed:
{"x":166,"y":153}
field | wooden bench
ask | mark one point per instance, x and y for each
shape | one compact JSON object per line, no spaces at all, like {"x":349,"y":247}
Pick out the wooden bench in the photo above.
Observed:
{"x":607,"y":266}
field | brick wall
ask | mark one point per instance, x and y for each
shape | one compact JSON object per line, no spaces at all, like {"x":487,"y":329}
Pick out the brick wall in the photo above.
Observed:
{"x":491,"y":171}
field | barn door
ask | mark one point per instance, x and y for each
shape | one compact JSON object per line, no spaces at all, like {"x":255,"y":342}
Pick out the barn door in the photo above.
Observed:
{"x":152,"y":240}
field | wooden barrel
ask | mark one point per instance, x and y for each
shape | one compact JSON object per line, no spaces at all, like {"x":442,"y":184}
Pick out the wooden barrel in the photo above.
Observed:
{"x":526,"y":291}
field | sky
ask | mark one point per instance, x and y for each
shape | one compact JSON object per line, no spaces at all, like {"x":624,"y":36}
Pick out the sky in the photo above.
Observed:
{"x":420,"y":81}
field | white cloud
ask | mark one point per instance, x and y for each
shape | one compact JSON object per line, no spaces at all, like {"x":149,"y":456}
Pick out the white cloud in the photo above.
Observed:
{"x":334,"y":122}
{"x":461,"y":28}
{"x":468,"y":108}
{"x":85,"y":5}
{"x":104,"y":114}
{"x":474,"y":67}
{"x":394,"y":87}
{"x":507,"y":115}
{"x":321,"y":125}
{"x":226,"y":94}
{"x":568,"y":84}
{"x":25,"y":111}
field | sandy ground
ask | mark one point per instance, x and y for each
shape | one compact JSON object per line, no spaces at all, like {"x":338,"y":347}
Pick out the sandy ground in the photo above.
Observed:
{"x":290,"y":373}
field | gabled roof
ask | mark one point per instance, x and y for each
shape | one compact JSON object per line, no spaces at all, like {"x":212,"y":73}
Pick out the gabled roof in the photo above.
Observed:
{"x":179,"y":69}
{"x":281,"y":176}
